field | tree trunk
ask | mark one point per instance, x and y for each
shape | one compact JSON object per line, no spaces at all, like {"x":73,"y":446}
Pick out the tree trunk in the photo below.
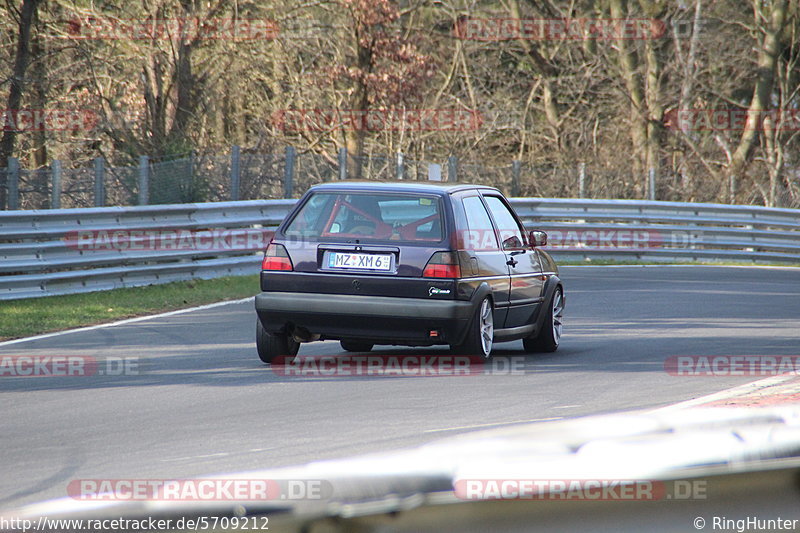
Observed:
{"x":638,"y":112}
{"x":40,"y":99}
{"x":767,"y":58}
{"x":155,"y":101}
{"x":654,"y":111}
{"x":184,"y":87}
{"x":21,"y":61}
{"x":687,"y":84}
{"x":354,"y":134}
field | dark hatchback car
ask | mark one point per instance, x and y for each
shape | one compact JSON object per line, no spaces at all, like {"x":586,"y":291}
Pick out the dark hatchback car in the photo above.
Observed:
{"x":415,"y":264}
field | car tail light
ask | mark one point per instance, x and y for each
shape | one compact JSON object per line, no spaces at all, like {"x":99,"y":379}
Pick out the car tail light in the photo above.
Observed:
{"x":442,"y":265}
{"x":276,"y":258}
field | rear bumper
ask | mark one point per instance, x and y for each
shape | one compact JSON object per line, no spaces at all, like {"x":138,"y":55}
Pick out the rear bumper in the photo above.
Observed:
{"x":375,"y":318}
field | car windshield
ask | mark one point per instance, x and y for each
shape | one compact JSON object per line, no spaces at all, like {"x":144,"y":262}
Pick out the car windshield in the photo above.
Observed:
{"x":396,"y":217}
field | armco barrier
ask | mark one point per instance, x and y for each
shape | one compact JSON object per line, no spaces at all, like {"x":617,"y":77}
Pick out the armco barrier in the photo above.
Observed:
{"x":42,"y":252}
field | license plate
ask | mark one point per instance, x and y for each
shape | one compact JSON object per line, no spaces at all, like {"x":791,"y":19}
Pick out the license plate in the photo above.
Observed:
{"x":360,"y":261}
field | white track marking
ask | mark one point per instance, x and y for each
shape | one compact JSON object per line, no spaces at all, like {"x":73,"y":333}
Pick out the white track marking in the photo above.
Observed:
{"x":493,"y":424}
{"x":740,"y":390}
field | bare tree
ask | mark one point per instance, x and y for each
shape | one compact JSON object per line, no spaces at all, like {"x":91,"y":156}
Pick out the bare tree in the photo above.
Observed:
{"x":26,"y":17}
{"x":771,"y":23}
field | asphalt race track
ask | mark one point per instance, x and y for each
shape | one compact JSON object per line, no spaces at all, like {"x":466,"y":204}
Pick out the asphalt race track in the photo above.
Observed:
{"x":202,"y":402}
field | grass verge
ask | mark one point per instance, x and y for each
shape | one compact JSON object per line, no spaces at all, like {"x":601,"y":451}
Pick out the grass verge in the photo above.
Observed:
{"x":33,"y":316}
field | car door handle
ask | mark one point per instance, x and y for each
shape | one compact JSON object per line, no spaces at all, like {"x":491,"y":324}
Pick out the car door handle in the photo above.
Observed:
{"x":512,"y":262}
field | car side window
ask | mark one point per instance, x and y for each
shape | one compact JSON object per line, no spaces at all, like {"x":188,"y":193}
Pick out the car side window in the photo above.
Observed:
{"x":481,"y":234}
{"x":510,"y":232}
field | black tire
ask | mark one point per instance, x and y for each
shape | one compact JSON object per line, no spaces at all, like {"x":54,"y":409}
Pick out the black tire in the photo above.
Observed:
{"x":356,"y":346}
{"x":549,"y":337}
{"x":480,"y":335}
{"x":271,"y":345}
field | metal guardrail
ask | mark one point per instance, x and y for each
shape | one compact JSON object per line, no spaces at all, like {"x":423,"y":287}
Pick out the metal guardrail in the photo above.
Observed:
{"x":42,"y":252}
{"x":646,"y":230}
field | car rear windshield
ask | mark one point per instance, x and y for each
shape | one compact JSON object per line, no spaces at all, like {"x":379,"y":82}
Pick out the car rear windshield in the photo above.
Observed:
{"x":396,"y":217}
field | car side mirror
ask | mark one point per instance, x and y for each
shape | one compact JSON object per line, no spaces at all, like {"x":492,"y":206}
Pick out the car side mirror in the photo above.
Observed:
{"x":512,"y":243}
{"x":537,"y":238}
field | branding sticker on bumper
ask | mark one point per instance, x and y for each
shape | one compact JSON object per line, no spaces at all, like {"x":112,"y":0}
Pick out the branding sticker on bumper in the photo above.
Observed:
{"x":437,"y":290}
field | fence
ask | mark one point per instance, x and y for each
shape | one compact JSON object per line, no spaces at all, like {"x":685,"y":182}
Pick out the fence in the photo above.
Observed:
{"x":245,"y":175}
{"x":45,"y":253}
{"x":210,"y":178}
{"x":194,"y":178}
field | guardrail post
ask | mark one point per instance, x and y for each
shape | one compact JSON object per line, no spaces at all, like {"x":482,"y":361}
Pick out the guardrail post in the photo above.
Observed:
{"x":288,"y":172}
{"x":399,"y":166}
{"x":343,"y":163}
{"x":452,"y":168}
{"x":99,"y":182}
{"x":516,"y":167}
{"x":55,"y":194}
{"x":235,"y":172}
{"x":13,"y":183}
{"x":144,"y":179}
{"x":434,"y":172}
{"x":581,"y":180}
{"x":651,"y":180}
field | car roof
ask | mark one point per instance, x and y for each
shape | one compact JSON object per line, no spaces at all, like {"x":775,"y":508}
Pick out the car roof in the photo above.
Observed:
{"x":439,"y":188}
